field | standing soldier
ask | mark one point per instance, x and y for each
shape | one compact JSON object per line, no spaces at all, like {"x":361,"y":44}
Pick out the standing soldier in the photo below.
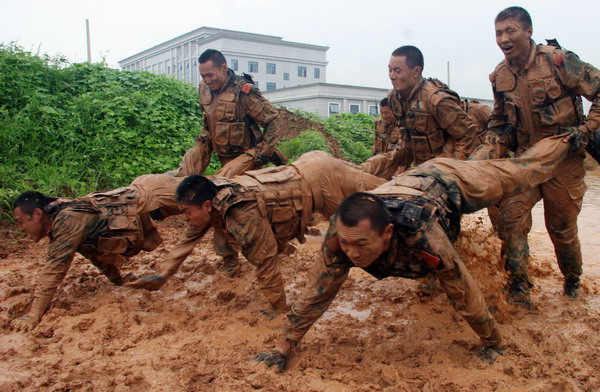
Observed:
{"x":405,"y":228}
{"x":260,"y":212}
{"x":479,"y":113}
{"x":233,"y":112}
{"x":537,"y":93}
{"x":387,"y":132}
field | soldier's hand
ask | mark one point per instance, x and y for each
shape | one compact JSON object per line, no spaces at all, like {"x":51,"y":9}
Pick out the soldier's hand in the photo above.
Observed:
{"x":575,"y":136}
{"x":150,"y":282}
{"x":24,"y":323}
{"x":271,"y":358}
{"x":267,"y":150}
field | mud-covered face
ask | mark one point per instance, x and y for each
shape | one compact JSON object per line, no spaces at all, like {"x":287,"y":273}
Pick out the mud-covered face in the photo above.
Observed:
{"x":213,"y":76}
{"x":198,"y":217}
{"x":387,"y":115}
{"x":403,"y":77}
{"x":33,"y":225}
{"x":513,"y":40}
{"x":361,"y":243}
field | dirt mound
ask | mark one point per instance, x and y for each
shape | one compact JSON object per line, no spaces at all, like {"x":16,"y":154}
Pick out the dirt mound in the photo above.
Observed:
{"x":298,"y":124}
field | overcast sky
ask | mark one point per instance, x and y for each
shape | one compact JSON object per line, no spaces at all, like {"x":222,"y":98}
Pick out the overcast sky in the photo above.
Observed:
{"x":360,"y":34}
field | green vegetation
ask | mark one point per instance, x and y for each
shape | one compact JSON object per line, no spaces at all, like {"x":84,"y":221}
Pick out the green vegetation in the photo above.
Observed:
{"x":70,"y":129}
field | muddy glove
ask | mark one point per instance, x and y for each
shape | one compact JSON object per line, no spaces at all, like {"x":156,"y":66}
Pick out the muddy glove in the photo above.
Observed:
{"x":271,"y":358}
{"x":575,"y":136}
{"x":150,"y":282}
{"x":24,"y":323}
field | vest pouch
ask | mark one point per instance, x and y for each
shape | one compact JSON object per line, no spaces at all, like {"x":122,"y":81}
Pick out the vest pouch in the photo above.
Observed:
{"x":280,"y":214}
{"x":538,"y":92}
{"x":122,"y":222}
{"x":436,"y":141}
{"x":421,"y":122}
{"x":118,"y":245}
{"x":238,"y":135}
{"x":552,"y":88}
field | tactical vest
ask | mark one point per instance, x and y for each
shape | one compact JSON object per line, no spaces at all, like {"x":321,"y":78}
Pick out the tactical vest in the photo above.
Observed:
{"x":536,"y":103}
{"x":427,"y":138}
{"x":386,"y":137}
{"x":118,"y":208}
{"x":278,"y":194}
{"x":230,"y":131}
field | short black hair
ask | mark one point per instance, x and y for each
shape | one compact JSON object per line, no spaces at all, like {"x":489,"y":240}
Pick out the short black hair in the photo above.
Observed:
{"x":195,"y":190}
{"x":413,"y":55}
{"x":385,"y":102}
{"x":30,"y":200}
{"x":517,"y":13}
{"x":213,"y":55}
{"x":360,"y":206}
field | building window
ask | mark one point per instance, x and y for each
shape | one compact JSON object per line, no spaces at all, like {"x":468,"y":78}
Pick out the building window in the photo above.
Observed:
{"x":271,"y":69}
{"x":317,"y":73}
{"x":302,"y":71}
{"x":354,"y":108}
{"x":286,"y":76}
{"x":373,"y":110}
{"x":271,"y":86}
{"x":252,"y":66}
{"x":334,"y":108}
{"x":256,"y":84}
{"x":234,"y":65}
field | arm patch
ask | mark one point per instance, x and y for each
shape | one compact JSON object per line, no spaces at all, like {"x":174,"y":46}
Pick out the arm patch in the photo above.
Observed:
{"x":247,"y":88}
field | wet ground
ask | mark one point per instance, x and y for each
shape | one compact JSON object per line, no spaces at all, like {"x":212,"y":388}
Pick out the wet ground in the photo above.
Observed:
{"x":199,"y":332}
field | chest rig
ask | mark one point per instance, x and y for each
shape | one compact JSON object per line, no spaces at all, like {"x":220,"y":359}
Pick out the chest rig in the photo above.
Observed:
{"x":536,"y":102}
{"x":427,"y":137}
{"x":278,"y":194}
{"x":229,"y":127}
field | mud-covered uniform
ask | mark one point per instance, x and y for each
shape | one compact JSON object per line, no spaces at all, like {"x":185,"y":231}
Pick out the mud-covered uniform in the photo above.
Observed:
{"x":479,"y":113}
{"x":103,"y":227}
{"x":529,"y":105}
{"x":387,"y":136}
{"x":262,"y":210}
{"x":435,"y":126}
{"x":231,"y":120}
{"x":426,"y":204}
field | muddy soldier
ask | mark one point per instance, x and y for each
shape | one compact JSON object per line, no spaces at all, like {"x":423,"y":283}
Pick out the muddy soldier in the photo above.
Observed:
{"x":233,"y":112}
{"x":537,"y":93}
{"x":387,"y":132}
{"x":405,"y":228}
{"x":260,"y":212}
{"x":479,"y":113}
{"x":103,"y":227}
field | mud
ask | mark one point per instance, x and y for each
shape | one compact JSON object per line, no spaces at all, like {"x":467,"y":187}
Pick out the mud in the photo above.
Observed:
{"x":201,"y":330}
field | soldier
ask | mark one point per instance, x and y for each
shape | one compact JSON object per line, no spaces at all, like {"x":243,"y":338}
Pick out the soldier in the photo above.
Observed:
{"x":406,"y":227}
{"x":103,"y":227}
{"x":233,"y":109}
{"x":260,"y":211}
{"x":537,"y":93}
{"x":387,"y":132}
{"x":479,"y":113}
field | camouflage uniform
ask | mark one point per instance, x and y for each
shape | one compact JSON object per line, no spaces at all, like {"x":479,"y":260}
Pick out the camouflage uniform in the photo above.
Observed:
{"x":103,"y":227}
{"x":479,"y":113}
{"x":533,"y":104}
{"x":231,"y":118}
{"x":426,"y":204}
{"x":262,"y":210}
{"x":386,"y":137}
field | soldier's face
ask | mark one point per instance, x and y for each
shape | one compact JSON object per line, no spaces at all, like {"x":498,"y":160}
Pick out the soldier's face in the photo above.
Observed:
{"x":513,"y":40}
{"x":361,"y":243}
{"x":387,"y":115}
{"x":198,"y":216}
{"x":33,"y":225}
{"x":213,"y":76}
{"x":403,"y":77}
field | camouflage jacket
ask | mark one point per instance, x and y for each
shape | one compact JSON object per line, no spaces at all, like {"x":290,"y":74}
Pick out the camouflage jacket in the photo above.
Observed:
{"x":386,"y":137}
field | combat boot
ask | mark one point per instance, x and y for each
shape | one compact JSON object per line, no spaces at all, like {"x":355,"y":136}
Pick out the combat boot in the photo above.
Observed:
{"x":572,"y":288}
{"x":231,"y":265}
{"x":518,"y":293}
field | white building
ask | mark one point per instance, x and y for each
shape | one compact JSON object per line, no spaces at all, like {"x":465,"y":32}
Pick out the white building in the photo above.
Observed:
{"x":272,"y":62}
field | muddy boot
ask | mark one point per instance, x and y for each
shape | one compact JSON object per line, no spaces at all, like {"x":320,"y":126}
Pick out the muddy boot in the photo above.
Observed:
{"x":113,"y":274}
{"x":518,"y":293}
{"x":231,"y":265}
{"x":572,"y":288}
{"x":490,"y":353}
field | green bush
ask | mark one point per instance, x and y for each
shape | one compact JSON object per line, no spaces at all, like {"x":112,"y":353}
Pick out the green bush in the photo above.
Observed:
{"x":354,"y":132}
{"x":307,"y":141}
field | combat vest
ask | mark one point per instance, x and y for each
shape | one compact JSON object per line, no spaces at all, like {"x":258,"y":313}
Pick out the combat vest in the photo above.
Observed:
{"x":427,"y":138}
{"x":536,"y":103}
{"x":387,"y":137}
{"x":230,"y":129}
{"x":123,"y":234}
{"x":278,"y":194}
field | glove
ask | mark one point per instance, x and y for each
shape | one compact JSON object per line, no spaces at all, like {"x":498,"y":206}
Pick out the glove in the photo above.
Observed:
{"x":272,"y":358}
{"x":150,"y":282}
{"x":24,"y":323}
{"x":575,"y":136}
